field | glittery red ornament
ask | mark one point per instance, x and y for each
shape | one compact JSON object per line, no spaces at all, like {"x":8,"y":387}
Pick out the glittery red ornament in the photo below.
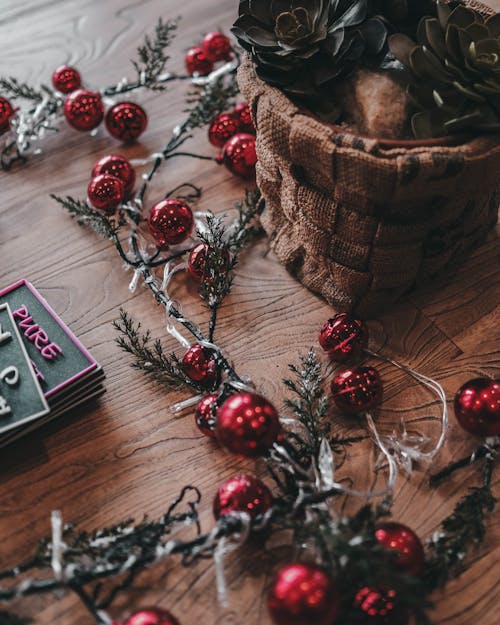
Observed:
{"x":126,"y":121}
{"x":197,"y":62}
{"x":239,"y":155}
{"x":199,"y":365}
{"x":223,"y":127}
{"x":302,"y":594}
{"x":66,"y":79}
{"x":151,"y":616}
{"x":170,"y":221}
{"x":244,"y":116}
{"x":84,"y":110}
{"x":119,"y":167}
{"x":410,"y":552}
{"x":242,"y":493}
{"x":343,"y":337}
{"x":247,"y":424}
{"x":205,"y":415}
{"x":106,"y":192}
{"x":197,"y":260}
{"x":477,"y":407}
{"x":6,"y":112}
{"x":216,"y":47}
{"x":378,"y":606}
{"x":357,"y":390}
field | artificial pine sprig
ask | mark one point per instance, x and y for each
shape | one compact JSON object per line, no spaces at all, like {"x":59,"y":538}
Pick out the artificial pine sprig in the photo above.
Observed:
{"x":14,"y":89}
{"x":85,"y":215}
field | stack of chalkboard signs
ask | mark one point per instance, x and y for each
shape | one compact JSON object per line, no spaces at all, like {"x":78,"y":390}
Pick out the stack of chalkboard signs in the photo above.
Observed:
{"x":44,"y":370}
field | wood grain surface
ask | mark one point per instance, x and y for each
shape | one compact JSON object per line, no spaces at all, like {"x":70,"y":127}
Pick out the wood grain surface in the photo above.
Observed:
{"x":128,"y":456}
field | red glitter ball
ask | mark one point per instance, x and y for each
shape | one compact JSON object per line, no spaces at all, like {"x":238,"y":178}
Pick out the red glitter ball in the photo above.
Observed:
{"x":410,"y":552}
{"x":170,"y":222}
{"x":66,"y":79}
{"x":343,"y":337}
{"x":302,"y":594}
{"x":244,"y":116}
{"x":197,"y":62}
{"x":205,"y":415}
{"x":151,"y":616}
{"x":222,"y":129}
{"x":199,"y":365}
{"x":119,"y":167}
{"x":216,"y":47}
{"x":379,"y":606}
{"x":197,"y":259}
{"x":239,"y":155}
{"x":357,"y":390}
{"x":6,"y":112}
{"x":477,"y":407}
{"x":106,"y":192}
{"x":242,"y":493}
{"x":126,"y":121}
{"x":247,"y":424}
{"x":84,"y":110}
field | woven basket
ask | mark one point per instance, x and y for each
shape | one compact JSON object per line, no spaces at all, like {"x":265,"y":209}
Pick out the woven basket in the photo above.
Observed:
{"x":362,"y":221}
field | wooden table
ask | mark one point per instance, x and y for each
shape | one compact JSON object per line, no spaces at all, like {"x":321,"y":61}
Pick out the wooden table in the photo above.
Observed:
{"x":129,"y":455}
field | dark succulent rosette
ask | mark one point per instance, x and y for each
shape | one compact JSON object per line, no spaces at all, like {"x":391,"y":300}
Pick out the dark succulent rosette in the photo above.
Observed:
{"x":403,"y":15}
{"x":304,"y":46}
{"x":454,"y":68}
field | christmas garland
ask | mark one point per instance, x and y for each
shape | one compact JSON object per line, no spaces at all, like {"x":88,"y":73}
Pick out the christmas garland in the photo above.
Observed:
{"x":358,"y":569}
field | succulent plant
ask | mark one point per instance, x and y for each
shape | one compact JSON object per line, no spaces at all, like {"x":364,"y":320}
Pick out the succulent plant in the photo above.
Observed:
{"x":304,"y":46}
{"x":455,"y":71}
{"x":403,"y":16}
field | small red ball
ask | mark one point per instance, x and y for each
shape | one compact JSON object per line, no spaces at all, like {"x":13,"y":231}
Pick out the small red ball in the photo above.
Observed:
{"x":239,"y":155}
{"x":200,"y":366}
{"x":410,"y":552}
{"x":247,"y":424}
{"x":222,"y":129}
{"x":84,"y":110}
{"x":151,"y":616}
{"x":216,"y":47}
{"x":343,"y":337}
{"x":197,"y":62}
{"x":197,"y":260}
{"x":244,"y":116}
{"x":119,"y":167}
{"x":242,"y":493}
{"x":378,"y":606}
{"x":126,"y":121}
{"x":205,"y":415}
{"x":357,"y":390}
{"x":302,"y":594}
{"x":171,"y":222}
{"x":477,"y":407}
{"x":66,"y":79}
{"x":6,"y":112}
{"x":106,"y":193}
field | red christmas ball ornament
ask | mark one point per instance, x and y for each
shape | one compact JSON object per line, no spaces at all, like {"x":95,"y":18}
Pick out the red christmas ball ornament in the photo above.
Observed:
{"x":357,"y":390}
{"x":200,"y":366}
{"x":6,"y":112}
{"x":216,"y":47}
{"x":410,"y":552}
{"x":106,"y":193}
{"x":247,"y":424}
{"x":242,"y":493}
{"x":477,"y":407}
{"x":205,"y":415}
{"x":126,"y":121}
{"x":239,"y":155}
{"x":171,"y":222}
{"x":244,"y":116}
{"x":302,"y":594}
{"x":223,"y":127}
{"x":66,"y":79}
{"x":119,"y":167}
{"x":343,"y":337}
{"x":197,"y":62}
{"x":378,"y":606}
{"x":151,"y":616}
{"x":83,"y":110}
{"x":197,"y":260}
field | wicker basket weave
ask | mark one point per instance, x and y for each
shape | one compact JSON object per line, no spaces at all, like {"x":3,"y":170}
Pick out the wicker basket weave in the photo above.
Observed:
{"x":362,"y":221}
